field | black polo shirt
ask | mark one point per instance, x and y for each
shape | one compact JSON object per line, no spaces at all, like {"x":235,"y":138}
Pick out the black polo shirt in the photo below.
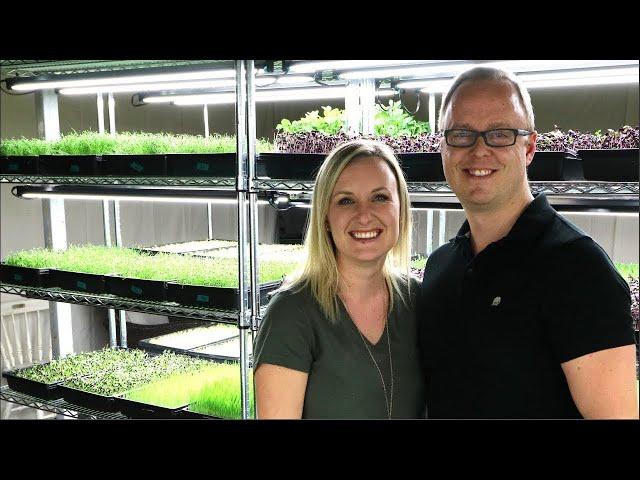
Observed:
{"x":495,"y":327}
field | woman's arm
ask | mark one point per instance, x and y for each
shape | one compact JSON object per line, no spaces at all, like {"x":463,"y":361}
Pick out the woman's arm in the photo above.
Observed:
{"x":279,"y":391}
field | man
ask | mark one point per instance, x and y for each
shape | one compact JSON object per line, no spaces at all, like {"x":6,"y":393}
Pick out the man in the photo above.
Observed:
{"x":523,"y":315}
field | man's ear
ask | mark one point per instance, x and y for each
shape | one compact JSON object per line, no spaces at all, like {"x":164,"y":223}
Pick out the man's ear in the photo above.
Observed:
{"x":531,"y":147}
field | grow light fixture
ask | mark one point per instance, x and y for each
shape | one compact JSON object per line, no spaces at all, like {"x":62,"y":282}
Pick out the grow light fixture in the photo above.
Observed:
{"x":40,"y":83}
{"x":128,"y":193}
{"x":311,"y":67}
{"x":266,"y":80}
{"x":147,"y":87}
{"x":273,"y":95}
{"x":444,"y":70}
{"x":447,"y":69}
{"x":610,"y":76}
{"x":587,"y":204}
{"x":556,"y":78}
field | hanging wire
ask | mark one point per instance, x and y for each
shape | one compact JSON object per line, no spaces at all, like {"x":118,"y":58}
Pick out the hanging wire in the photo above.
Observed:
{"x":417,"y":104}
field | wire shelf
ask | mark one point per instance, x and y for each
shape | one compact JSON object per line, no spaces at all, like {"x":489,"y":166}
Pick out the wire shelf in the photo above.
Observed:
{"x":58,"y":406}
{"x":111,"y":301}
{"x":223,"y":182}
{"x":549,"y":188}
{"x":26,"y":68}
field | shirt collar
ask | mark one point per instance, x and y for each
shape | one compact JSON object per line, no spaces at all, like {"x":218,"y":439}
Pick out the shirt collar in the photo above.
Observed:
{"x":527,"y":228}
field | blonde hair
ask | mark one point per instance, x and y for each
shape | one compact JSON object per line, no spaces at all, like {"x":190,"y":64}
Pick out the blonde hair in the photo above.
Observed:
{"x":490,"y":73}
{"x":320,"y":269}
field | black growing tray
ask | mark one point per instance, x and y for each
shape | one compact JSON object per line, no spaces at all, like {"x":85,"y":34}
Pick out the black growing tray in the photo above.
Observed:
{"x":77,"y":281}
{"x":422,"y":166}
{"x":18,"y":165}
{"x":31,"y":277}
{"x":140,"y":410}
{"x":45,"y":391}
{"x":620,"y":165}
{"x":201,"y":164}
{"x":213,"y":297}
{"x":88,"y":399}
{"x":67,"y":165}
{"x":217,"y":358}
{"x":555,"y":166}
{"x":297,"y":166}
{"x":151,"y":165}
{"x":153,"y":290}
{"x":154,"y":347}
{"x":186,"y":414}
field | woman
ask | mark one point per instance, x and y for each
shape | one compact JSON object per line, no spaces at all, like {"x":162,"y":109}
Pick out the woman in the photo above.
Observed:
{"x":339,"y":340}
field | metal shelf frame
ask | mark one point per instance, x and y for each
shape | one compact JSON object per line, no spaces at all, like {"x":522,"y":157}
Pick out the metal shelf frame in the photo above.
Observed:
{"x":58,"y":406}
{"x":118,"y":303}
{"x":550,"y":188}
{"x":262,"y":184}
{"x":246,"y":185}
{"x":220,"y":182}
{"x":248,"y":315}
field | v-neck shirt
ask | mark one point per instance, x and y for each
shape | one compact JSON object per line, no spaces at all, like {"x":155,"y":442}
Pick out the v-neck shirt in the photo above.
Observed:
{"x":343,"y":380}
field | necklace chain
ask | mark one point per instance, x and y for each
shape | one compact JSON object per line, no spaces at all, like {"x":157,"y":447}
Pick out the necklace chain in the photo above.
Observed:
{"x":387,"y":400}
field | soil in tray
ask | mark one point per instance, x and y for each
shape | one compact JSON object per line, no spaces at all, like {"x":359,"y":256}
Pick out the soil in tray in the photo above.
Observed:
{"x":45,"y":391}
{"x":31,"y":277}
{"x":15,"y":165}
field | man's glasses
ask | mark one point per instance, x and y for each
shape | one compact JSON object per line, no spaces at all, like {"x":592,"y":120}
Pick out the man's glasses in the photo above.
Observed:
{"x":500,"y":137}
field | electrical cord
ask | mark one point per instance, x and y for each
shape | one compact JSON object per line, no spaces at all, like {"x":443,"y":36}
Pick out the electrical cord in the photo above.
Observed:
{"x":417,"y":105}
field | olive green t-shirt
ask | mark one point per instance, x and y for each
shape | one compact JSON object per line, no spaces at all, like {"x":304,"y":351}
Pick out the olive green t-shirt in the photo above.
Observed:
{"x":344,"y":382}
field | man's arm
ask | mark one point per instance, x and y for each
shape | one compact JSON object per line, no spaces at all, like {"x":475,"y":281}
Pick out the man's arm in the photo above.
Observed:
{"x":279,"y":391}
{"x":603,"y":384}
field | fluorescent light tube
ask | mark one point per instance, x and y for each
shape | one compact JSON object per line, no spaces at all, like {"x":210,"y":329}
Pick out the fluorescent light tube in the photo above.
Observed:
{"x":314,"y":93}
{"x":310,"y":67}
{"x":147,"y":87}
{"x":600,"y":213}
{"x":451,"y":69}
{"x":558,"y":78}
{"x":264,"y":80}
{"x":130,"y":198}
{"x":29,"y":85}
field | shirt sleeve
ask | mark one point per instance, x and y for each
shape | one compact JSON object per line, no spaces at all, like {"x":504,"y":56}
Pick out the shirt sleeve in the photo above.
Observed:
{"x":587,"y":306}
{"x":285,"y":337}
